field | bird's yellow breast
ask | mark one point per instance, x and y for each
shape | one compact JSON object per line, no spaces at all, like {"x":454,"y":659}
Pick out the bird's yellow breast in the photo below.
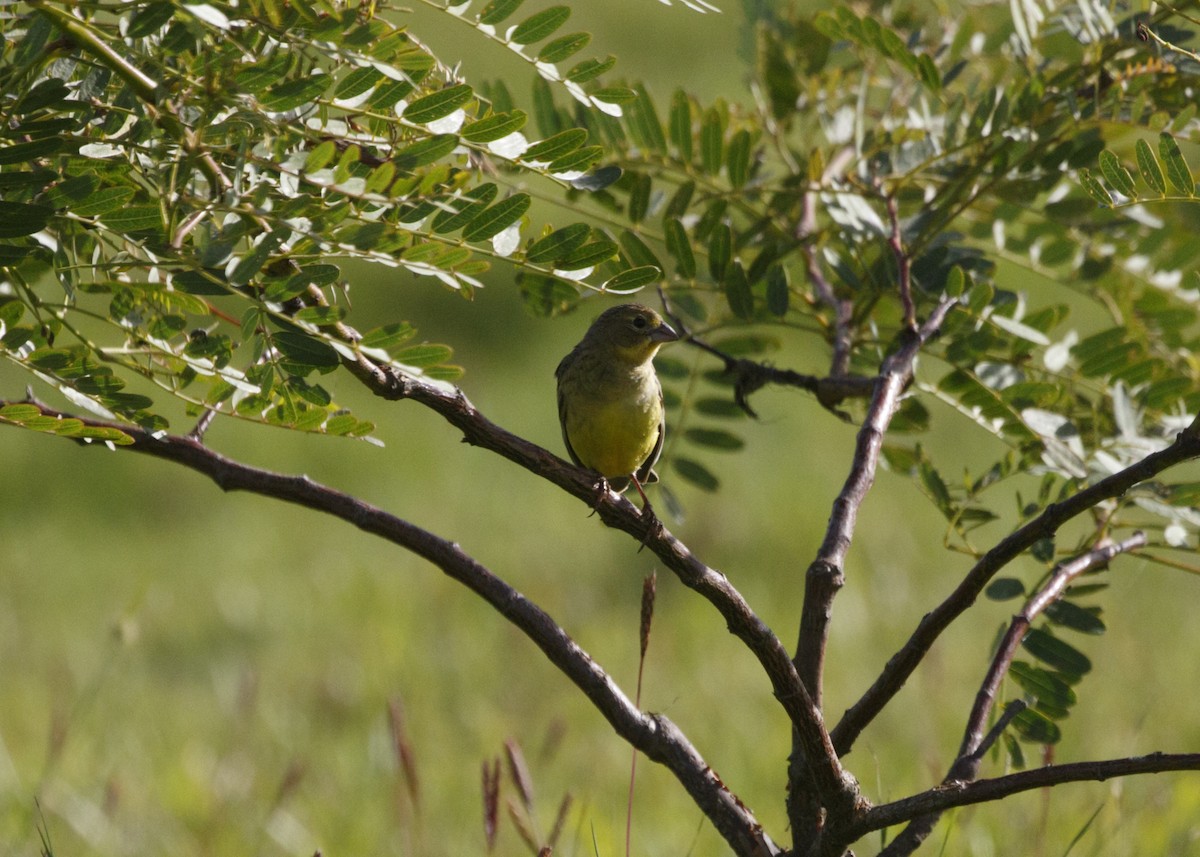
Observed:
{"x":613,"y":431}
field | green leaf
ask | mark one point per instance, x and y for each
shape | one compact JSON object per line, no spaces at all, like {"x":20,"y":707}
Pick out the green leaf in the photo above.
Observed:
{"x":1117,"y":175}
{"x":574,"y":162}
{"x":558,"y":244}
{"x":720,"y":251}
{"x":389,"y":336}
{"x":1055,"y":653}
{"x":539,"y":26}
{"x":680,"y":125}
{"x":103,"y":201}
{"x":563,"y":47}
{"x":497,"y":218}
{"x":556,"y":146}
{"x":253,"y":261}
{"x":643,"y":122}
{"x":1094,"y":189}
{"x":1050,"y":691}
{"x":1068,"y":614}
{"x":460,"y":211}
{"x":588,"y":256}
{"x":1036,"y":727}
{"x":778,"y":292}
{"x":1004,"y":588}
{"x":590,"y":69}
{"x":22,"y":218}
{"x":498,"y":10}
{"x":737,"y":291}
{"x":737,"y":159}
{"x":637,"y":251}
{"x":425,"y":151}
{"x":294,"y":93}
{"x":712,"y":135}
{"x":715,"y":439}
{"x":680,"y":247}
{"x":424,"y":355}
{"x":639,"y":196}
{"x":303,"y":352}
{"x":632,"y":279}
{"x":494,"y":127}
{"x":357,"y":82}
{"x":134,"y":218}
{"x":321,"y":314}
{"x":695,"y":473}
{"x":438,"y":105}
{"x":1177,"y":168}
{"x":1148,"y":165}
{"x":24,"y":152}
{"x":719,"y":408}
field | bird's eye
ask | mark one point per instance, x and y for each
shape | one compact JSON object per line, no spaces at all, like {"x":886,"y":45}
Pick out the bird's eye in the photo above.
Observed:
{"x":639,"y":321}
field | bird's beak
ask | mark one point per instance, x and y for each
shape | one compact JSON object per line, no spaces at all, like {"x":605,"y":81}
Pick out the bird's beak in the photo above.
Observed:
{"x":663,"y":333}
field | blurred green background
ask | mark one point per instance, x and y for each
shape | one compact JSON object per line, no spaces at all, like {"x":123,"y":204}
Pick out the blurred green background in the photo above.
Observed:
{"x":190,"y":672}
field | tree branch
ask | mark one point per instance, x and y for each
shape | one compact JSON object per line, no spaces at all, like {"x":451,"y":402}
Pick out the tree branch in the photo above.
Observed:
{"x":825,"y":578}
{"x":843,"y":308}
{"x":750,"y":376}
{"x":832,"y":782}
{"x":902,"y":664}
{"x":970,"y":754}
{"x":949,"y":795}
{"x":653,"y":734}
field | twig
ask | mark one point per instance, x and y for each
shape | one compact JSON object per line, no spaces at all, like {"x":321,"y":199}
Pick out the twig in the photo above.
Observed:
{"x":902,"y":664}
{"x":1060,"y":579}
{"x":970,"y":754}
{"x":843,"y":308}
{"x":653,"y":734}
{"x":198,"y":431}
{"x":750,"y":376}
{"x":1011,"y":710}
{"x":903,"y":264}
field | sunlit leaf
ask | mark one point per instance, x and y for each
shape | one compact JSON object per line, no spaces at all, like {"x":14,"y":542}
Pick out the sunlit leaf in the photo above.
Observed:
{"x":1177,"y":169}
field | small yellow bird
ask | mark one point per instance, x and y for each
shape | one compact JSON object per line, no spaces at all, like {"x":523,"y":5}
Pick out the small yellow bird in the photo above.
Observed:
{"x":610,"y":403}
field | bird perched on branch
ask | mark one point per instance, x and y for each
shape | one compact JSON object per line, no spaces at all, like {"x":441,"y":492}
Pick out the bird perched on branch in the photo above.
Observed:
{"x":610,"y":403}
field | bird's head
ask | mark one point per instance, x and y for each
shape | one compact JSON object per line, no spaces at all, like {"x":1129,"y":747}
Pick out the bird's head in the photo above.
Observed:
{"x":633,"y":331}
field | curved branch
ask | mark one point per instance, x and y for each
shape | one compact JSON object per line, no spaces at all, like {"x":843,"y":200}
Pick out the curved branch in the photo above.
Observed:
{"x":958,"y":793}
{"x":902,"y":664}
{"x":832,"y":782}
{"x":653,"y":734}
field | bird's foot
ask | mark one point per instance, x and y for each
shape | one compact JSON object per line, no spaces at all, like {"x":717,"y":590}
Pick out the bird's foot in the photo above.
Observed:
{"x":601,"y":487}
{"x":654,"y":526}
